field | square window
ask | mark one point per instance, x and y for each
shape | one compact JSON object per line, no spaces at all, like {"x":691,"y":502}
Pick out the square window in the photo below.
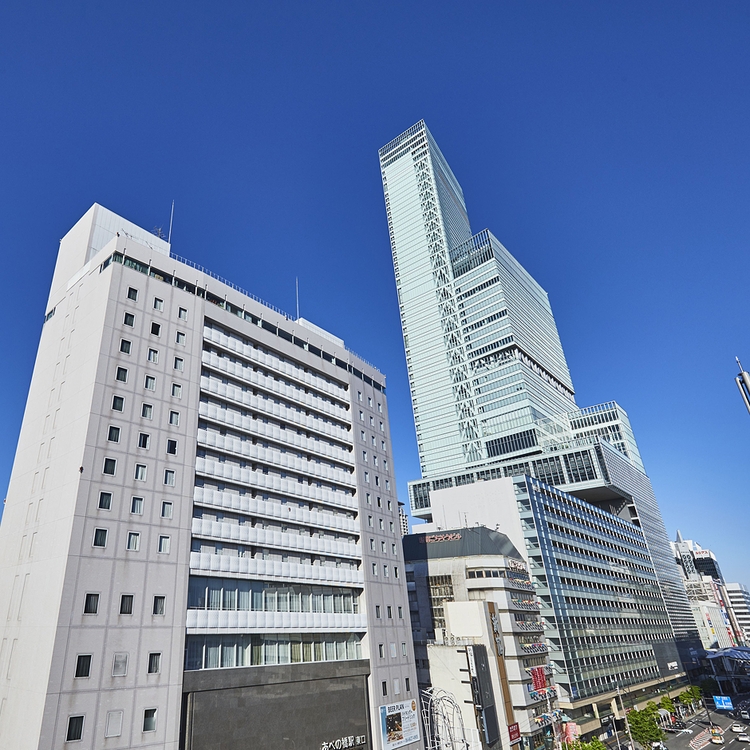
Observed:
{"x":113,"y":435}
{"x":155,"y":329}
{"x":105,"y":501}
{"x":113,"y":727}
{"x":136,"y":506}
{"x":147,"y":411}
{"x":140,"y":472}
{"x":120,"y":665}
{"x":126,"y":604}
{"x":176,"y":390}
{"x":133,"y":294}
{"x":153,"y":356}
{"x":118,"y":402}
{"x":150,"y":383}
{"x":144,"y":440}
{"x":166,"y":509}
{"x":159,"y":605}
{"x":179,"y":363}
{"x":110,"y":466}
{"x":75,"y":729}
{"x":182,"y":313}
{"x":149,"y":720}
{"x":180,"y":338}
{"x":91,"y":604}
{"x":134,"y":541}
{"x":129,"y":319}
{"x":154,"y":663}
{"x":158,"y":304}
{"x":83,"y":665}
{"x":169,"y":478}
{"x":172,"y":447}
{"x":100,"y":537}
{"x":125,"y":346}
{"x":122,"y":374}
{"x":174,"y":418}
{"x":164,"y":544}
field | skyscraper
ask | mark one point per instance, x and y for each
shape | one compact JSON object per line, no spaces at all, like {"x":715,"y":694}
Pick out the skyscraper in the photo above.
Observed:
{"x":201,"y":539}
{"x":491,"y":391}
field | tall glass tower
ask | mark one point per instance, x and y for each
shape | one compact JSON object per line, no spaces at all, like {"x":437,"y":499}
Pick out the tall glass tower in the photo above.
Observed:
{"x":491,"y":391}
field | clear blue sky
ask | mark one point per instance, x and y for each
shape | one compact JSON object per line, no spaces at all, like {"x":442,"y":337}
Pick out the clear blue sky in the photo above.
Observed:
{"x":605,"y":144}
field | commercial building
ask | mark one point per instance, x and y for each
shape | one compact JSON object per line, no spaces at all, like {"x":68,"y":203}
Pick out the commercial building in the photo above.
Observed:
{"x":491,"y":391}
{"x":606,"y":625}
{"x":200,"y":546}
{"x":739,"y":600}
{"x":473,"y":609}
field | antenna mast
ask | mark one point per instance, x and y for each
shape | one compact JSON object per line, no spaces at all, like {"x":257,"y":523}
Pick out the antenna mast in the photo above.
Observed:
{"x":171,"y":216}
{"x":743,"y":383}
{"x":296,"y":285}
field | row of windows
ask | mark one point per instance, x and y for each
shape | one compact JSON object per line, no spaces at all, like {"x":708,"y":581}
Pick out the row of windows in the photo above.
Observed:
{"x":126,"y":347}
{"x":119,"y":663}
{"x":180,"y":337}
{"x":375,"y":460}
{"x":144,"y":440}
{"x":140,"y":473}
{"x":386,"y":570}
{"x":91,"y":604}
{"x":158,"y":304}
{"x":383,"y":546}
{"x":147,"y":410}
{"x":113,"y":726}
{"x":136,"y":505}
{"x":133,"y":538}
{"x":149,"y":383}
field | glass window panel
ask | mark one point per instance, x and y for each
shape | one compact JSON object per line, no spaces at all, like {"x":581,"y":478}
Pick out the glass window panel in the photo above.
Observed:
{"x":296,"y":647}
{"x":269,"y":651}
{"x":284,"y":652}
{"x":244,"y":596}
{"x":228,"y":652}
{"x":214,"y":594}
{"x":340,"y":649}
{"x":330,"y":650}
{"x":230,"y":596}
{"x":307,"y":651}
{"x":212,"y":653}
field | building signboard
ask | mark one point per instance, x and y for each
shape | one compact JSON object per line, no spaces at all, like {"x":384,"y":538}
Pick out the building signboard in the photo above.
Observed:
{"x":514,"y":733}
{"x":399,"y":724}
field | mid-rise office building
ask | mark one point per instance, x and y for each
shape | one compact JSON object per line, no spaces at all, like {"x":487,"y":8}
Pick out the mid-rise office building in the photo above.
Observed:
{"x":605,"y":622}
{"x":739,"y":600}
{"x":201,"y":540}
{"x":491,"y":391}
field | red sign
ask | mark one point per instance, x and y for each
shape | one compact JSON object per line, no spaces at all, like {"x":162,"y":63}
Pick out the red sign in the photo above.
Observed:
{"x":514,"y":732}
{"x":538,"y":678}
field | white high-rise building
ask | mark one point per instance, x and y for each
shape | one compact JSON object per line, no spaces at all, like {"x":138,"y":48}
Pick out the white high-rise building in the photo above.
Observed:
{"x":739,"y":600}
{"x":201,"y":540}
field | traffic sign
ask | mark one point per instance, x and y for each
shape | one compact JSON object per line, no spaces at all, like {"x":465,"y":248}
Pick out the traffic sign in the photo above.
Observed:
{"x":723,"y":702}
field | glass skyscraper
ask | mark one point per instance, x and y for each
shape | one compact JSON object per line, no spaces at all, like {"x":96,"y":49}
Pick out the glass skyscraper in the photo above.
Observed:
{"x":491,"y":391}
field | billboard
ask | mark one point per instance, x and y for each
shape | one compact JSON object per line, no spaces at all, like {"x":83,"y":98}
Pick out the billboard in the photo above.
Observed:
{"x":514,"y":733}
{"x":399,"y":724}
{"x":723,"y":702}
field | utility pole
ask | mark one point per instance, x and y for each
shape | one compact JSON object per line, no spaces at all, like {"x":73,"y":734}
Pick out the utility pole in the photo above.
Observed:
{"x":625,"y":716}
{"x":556,"y":739}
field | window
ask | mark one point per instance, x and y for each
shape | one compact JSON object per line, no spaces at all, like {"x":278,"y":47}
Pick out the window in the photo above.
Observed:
{"x":377,"y":611}
{"x":396,"y":686}
{"x":382,"y":428}
{"x":169,"y":478}
{"x":403,"y":648}
{"x":391,"y":525}
{"x":110,"y":466}
{"x":364,"y":455}
{"x":180,"y":338}
{"x":407,"y":685}
{"x":369,"y":500}
{"x":154,"y":663}
{"x":179,"y":363}
{"x":182,"y":313}
{"x":387,"y":485}
{"x":164,"y":544}
{"x":75,"y":729}
{"x":153,"y":356}
{"x":390,"y":505}
{"x":389,"y":610}
{"x":380,"y":407}
{"x":136,"y":506}
{"x":134,"y":541}
{"x":126,"y":604}
{"x":367,"y":476}
{"x":105,"y":501}
{"x":166,"y":509}
{"x":150,"y":384}
{"x":394,"y":653}
{"x":381,"y":650}
{"x":125,"y":346}
{"x":380,"y":523}
{"x":118,"y":402}
{"x":395,"y":571}
{"x":369,"y":520}
{"x":155,"y":329}
{"x":393,"y":549}
{"x":133,"y":294}
{"x":172,"y":447}
{"x":113,"y":727}
{"x":359,"y":395}
{"x":400,"y":613}
{"x":174,"y":418}
{"x":147,"y":411}
{"x":176,"y":390}
{"x":380,"y":503}
{"x":144,"y":440}
{"x":122,"y":374}
{"x":140,"y":472}
{"x":362,"y":436}
{"x":91,"y":604}
{"x":149,"y":720}
{"x":159,"y":605}
{"x":374,"y":569}
{"x":114,"y":434}
{"x":372,"y":421}
{"x":384,"y":687}
{"x":83,"y":665}
{"x":361,"y":416}
{"x":129,"y":319}
{"x":120,"y":664}
{"x":158,"y":304}
{"x":372,"y":544}
{"x":382,"y":547}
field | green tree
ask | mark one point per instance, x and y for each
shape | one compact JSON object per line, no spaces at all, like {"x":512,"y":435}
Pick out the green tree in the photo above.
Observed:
{"x":709,"y":686}
{"x":667,"y":704}
{"x":643,"y":726}
{"x":595,"y":744}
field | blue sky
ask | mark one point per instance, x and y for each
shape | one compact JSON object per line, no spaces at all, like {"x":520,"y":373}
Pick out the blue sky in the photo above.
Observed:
{"x":605,"y":144}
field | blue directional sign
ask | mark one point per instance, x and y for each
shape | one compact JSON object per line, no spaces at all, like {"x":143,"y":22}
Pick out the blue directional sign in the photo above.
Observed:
{"x":723,"y":702}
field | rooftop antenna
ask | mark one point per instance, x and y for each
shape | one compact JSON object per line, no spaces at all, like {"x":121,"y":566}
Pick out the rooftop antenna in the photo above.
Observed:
{"x":743,"y":383}
{"x":296,"y":286}
{"x":171,"y":216}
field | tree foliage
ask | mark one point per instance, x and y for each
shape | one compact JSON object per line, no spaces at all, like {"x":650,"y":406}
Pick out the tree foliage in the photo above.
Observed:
{"x":595,"y":744}
{"x":709,"y":686}
{"x":643,"y":726}
{"x":667,"y":704}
